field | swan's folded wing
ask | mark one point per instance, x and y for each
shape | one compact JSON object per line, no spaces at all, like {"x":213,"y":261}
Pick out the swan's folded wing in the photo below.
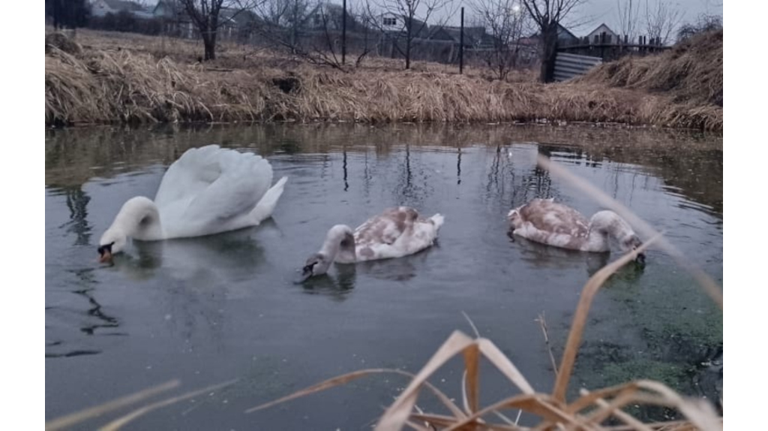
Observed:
{"x":387,"y":227}
{"x":548,"y":216}
{"x":213,"y":190}
{"x":189,"y":176}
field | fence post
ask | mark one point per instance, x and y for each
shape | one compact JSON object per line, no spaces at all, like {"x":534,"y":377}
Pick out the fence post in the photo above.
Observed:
{"x":602,"y":46}
{"x":344,"y":32}
{"x":461,"y":44}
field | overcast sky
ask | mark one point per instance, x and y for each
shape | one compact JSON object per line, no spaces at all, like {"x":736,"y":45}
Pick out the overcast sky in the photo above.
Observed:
{"x":587,"y":16}
{"x":596,"y":12}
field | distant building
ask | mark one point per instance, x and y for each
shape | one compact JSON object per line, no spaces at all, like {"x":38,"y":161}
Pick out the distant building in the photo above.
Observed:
{"x":233,"y":23}
{"x":174,"y":17}
{"x":474,"y":37}
{"x":100,"y":8}
{"x":564,"y":37}
{"x":595,"y":36}
{"x":393,"y":24}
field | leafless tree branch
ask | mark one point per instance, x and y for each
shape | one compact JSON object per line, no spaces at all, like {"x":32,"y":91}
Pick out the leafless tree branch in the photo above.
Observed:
{"x":661,"y":19}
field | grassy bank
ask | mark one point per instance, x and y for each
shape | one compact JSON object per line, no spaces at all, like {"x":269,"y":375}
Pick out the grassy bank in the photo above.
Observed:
{"x":145,"y":79}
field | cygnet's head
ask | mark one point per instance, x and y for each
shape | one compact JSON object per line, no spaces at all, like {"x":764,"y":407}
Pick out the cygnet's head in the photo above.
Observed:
{"x":317,"y":264}
{"x":339,"y":241}
{"x":631,"y":242}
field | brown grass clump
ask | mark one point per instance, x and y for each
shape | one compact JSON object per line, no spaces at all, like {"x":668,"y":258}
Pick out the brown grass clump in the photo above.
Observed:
{"x":692,"y":71}
{"x":61,"y":42}
{"x":589,"y":411}
{"x":108,"y":83}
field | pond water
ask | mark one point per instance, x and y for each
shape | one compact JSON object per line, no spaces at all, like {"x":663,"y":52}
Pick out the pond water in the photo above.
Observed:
{"x":211,"y":309}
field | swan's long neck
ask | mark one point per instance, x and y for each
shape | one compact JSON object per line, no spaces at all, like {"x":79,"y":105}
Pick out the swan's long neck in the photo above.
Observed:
{"x":339,"y":244}
{"x":138,"y":219}
{"x":605,"y":225}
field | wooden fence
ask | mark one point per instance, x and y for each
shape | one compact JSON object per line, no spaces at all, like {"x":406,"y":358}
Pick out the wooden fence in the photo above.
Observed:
{"x":610,"y":48}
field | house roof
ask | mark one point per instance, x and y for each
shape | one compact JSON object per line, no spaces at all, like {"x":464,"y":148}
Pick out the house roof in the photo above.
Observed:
{"x":472,"y":35}
{"x":563,"y":30}
{"x":607,"y":29}
{"x":560,"y":32}
{"x":239,"y":16}
{"x":124,"y":5}
{"x":417,"y":23}
{"x":167,"y":9}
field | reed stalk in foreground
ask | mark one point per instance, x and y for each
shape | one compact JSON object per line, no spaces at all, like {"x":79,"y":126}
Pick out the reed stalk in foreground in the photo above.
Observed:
{"x":588,"y":411}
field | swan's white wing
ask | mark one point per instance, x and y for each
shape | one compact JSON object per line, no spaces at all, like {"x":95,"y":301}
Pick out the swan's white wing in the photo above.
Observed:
{"x":188,"y":176}
{"x":211,"y":190}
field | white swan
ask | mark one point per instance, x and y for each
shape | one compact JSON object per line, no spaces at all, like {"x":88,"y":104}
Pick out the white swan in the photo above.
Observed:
{"x":207,"y":190}
{"x":397,"y":232}
{"x":555,"y":224}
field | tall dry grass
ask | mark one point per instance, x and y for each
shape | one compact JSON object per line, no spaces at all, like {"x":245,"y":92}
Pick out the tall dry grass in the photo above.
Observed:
{"x":107,"y":84}
{"x":589,"y":411}
{"x":691,"y":72}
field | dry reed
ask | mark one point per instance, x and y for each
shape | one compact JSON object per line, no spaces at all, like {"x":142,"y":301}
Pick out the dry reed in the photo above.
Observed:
{"x":107,"y":84}
{"x":588,"y":411}
{"x":692,"y":71}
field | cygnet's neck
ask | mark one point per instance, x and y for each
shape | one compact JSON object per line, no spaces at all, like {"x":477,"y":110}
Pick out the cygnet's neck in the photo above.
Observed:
{"x":605,"y":225}
{"x":339,"y":244}
{"x":138,"y":219}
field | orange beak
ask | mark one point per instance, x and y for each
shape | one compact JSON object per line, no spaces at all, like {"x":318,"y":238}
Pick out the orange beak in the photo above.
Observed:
{"x":105,"y":257}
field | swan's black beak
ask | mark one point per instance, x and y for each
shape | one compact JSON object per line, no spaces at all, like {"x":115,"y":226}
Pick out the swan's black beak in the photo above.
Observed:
{"x":306,"y":273}
{"x":640,"y":259}
{"x":105,"y":253}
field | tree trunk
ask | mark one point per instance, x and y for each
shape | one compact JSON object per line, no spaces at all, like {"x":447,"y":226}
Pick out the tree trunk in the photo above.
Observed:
{"x":549,"y":53}
{"x":408,"y":54}
{"x":56,"y":14}
{"x":408,"y":38}
{"x":209,"y":42}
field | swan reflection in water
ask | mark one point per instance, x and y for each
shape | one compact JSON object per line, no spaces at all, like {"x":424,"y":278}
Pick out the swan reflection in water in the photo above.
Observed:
{"x":211,"y":260}
{"x":194,"y":281}
{"x":340,"y":283}
{"x":547,"y":257}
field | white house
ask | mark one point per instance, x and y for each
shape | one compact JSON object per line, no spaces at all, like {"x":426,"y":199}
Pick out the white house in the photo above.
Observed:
{"x":397,"y":23}
{"x":100,"y":8}
{"x":610,"y":36}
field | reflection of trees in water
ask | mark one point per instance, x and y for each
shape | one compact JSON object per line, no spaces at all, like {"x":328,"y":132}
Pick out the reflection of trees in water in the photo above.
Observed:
{"x":344,"y":165}
{"x":409,"y":190}
{"x":103,"y":320}
{"x":77,"y":202}
{"x":695,"y":173}
{"x":458,"y":166}
{"x":689,"y":162}
{"x":96,"y":321}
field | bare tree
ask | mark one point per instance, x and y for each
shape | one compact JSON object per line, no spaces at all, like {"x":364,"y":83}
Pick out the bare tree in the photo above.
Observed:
{"x":308,"y":31}
{"x":506,"y":22}
{"x":661,"y":19}
{"x":548,"y":14}
{"x":704,"y":23}
{"x":205,"y":15}
{"x":627,"y":11}
{"x":67,"y":13}
{"x":274,"y":11}
{"x":286,"y":20}
{"x":406,"y":20}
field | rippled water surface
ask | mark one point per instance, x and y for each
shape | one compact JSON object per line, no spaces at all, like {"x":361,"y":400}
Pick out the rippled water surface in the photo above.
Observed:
{"x":211,"y":309}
